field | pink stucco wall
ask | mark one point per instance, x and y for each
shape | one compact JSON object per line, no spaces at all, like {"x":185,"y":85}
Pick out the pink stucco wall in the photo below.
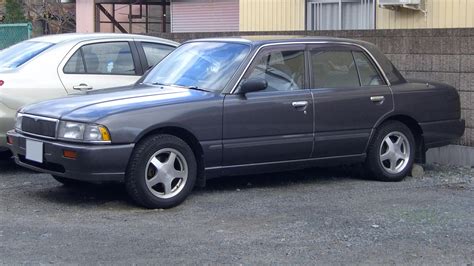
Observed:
{"x":84,"y":16}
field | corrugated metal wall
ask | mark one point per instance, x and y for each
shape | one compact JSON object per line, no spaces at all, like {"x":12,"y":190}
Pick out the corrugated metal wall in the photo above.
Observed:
{"x":204,"y":15}
{"x":440,"y":14}
{"x":272,"y":15}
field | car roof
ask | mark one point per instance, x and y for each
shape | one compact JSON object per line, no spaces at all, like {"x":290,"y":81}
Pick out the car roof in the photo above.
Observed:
{"x":76,"y":37}
{"x":258,"y":40}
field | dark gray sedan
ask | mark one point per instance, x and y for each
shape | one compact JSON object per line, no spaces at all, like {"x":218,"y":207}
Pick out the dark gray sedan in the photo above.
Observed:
{"x":219,"y":107}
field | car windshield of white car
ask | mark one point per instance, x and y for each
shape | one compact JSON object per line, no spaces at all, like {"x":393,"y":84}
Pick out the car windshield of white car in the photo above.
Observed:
{"x":203,"y":65}
{"x":21,"y":53}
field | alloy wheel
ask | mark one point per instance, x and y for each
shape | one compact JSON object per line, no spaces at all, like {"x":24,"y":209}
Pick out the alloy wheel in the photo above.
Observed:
{"x":394,"y":152}
{"x":166,"y":173}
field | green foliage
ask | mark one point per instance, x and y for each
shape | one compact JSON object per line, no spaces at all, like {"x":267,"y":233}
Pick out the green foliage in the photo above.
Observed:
{"x":14,"y":12}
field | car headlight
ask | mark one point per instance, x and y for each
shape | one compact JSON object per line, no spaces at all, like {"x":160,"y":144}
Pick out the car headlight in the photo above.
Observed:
{"x":18,"y":121}
{"x":82,"y":132}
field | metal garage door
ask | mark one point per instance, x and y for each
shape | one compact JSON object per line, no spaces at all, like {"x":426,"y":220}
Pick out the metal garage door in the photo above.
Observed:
{"x":204,"y":15}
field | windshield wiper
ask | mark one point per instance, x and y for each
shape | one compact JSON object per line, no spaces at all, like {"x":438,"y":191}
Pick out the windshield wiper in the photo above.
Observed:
{"x":160,"y":84}
{"x":179,"y":86}
{"x":196,"y":88}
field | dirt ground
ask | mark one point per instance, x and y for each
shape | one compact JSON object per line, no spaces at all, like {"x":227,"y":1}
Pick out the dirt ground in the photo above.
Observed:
{"x":317,"y":216}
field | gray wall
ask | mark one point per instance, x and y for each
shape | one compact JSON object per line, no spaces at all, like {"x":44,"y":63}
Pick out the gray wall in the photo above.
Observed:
{"x":445,"y":55}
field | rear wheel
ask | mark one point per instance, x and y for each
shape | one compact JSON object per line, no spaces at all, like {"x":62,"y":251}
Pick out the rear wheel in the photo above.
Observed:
{"x":162,"y":172}
{"x":391,"y":154}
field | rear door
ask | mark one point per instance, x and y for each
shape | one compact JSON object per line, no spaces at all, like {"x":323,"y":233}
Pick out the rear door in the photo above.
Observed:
{"x":100,"y":65}
{"x":350,"y":97}
{"x":275,"y":124}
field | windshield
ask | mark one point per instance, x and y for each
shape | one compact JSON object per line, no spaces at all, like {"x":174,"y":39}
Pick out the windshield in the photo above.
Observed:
{"x":200,"y":65}
{"x":21,"y":53}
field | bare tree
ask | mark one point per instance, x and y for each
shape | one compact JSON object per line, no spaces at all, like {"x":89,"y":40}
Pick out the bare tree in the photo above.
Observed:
{"x":53,"y":16}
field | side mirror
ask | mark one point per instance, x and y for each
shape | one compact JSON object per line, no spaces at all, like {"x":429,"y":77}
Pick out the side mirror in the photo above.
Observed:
{"x":254,"y":84}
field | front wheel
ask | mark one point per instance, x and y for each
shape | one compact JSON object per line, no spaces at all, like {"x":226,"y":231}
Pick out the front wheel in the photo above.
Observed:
{"x":162,"y":172}
{"x":391,"y":154}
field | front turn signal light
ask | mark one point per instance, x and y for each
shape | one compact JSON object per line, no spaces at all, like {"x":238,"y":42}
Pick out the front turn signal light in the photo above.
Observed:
{"x":105,"y":133}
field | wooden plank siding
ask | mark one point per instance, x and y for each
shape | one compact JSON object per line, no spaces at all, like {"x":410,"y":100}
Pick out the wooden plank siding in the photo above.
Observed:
{"x":440,"y":14}
{"x":272,"y":15}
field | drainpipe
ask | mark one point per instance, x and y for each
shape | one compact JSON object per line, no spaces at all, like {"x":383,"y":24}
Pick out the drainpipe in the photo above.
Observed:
{"x":340,"y":14}
{"x":306,"y":16}
{"x":375,"y":14}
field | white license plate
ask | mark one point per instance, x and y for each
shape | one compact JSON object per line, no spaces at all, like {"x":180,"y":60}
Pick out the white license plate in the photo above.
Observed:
{"x":34,"y":151}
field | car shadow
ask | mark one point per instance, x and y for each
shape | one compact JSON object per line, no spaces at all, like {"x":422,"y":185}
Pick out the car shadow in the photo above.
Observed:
{"x":87,"y":194}
{"x":8,"y":166}
{"x":115,"y":194}
{"x":283,"y":179}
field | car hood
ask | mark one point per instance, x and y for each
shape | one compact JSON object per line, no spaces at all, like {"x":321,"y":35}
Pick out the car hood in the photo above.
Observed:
{"x":98,"y":104}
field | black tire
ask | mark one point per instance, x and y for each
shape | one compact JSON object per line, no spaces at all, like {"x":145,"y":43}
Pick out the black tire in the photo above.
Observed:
{"x":137,"y":179}
{"x":375,"y":168}
{"x":68,"y":182}
{"x":5,"y":155}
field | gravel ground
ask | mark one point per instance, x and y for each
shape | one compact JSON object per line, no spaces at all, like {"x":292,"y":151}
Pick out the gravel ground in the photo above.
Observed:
{"x":317,"y":216}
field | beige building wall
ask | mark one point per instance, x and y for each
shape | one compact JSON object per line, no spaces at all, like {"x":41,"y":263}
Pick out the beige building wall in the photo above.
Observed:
{"x":440,"y":14}
{"x":272,"y":15}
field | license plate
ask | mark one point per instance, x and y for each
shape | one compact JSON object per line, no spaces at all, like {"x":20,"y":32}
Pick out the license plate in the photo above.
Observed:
{"x":34,"y":151}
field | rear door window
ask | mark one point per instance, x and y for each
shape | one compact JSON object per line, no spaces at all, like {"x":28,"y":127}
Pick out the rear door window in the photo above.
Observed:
{"x":334,"y":69}
{"x":75,"y":63}
{"x":367,"y":71}
{"x":112,"y":58}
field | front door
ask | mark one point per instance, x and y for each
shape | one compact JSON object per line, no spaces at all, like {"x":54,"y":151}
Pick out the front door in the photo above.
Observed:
{"x":350,"y":96}
{"x":275,"y":124}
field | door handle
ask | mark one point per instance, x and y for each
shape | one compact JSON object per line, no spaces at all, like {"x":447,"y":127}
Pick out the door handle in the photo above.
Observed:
{"x":299,"y":104}
{"x":82,"y":87}
{"x":377,"y":99}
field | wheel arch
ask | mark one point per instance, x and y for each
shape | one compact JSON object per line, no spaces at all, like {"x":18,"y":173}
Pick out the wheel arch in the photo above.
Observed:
{"x":188,"y":137}
{"x":414,"y":127}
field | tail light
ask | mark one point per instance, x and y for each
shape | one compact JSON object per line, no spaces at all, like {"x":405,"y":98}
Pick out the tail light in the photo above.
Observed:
{"x":1,"y":82}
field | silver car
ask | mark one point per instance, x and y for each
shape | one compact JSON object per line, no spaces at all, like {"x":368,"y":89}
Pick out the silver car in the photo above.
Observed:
{"x":58,"y":65}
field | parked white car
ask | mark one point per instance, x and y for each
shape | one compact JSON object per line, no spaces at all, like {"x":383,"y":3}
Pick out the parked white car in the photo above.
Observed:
{"x":58,"y":65}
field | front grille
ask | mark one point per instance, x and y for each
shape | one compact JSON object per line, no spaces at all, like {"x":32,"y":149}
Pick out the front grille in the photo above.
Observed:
{"x":38,"y":126}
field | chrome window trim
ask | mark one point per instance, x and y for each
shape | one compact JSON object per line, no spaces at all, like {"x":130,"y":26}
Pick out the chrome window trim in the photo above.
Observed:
{"x":39,"y":117}
{"x":305,"y":43}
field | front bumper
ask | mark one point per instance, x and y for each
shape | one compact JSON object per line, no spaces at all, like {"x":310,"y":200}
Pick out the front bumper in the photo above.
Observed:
{"x":94,"y":163}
